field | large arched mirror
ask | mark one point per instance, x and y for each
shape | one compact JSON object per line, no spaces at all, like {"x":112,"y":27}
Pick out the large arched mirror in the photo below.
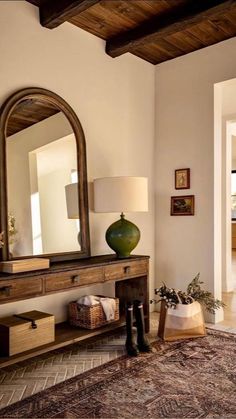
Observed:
{"x":44,"y":203}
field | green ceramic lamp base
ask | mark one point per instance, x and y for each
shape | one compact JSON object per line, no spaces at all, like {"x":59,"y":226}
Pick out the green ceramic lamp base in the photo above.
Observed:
{"x":122,"y":237}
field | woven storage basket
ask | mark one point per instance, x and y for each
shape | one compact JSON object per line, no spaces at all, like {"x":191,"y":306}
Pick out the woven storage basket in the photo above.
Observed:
{"x":90,"y":317}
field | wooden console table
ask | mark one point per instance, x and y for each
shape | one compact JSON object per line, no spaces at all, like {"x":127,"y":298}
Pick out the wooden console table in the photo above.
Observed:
{"x":131,"y":282}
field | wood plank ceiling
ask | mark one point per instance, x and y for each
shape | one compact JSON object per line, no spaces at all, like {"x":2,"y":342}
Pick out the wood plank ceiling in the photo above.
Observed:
{"x":29,"y":112}
{"x":154,"y":30}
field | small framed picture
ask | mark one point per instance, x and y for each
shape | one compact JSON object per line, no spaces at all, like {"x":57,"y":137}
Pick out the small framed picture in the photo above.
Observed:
{"x":182,"y":179}
{"x":182,"y":205}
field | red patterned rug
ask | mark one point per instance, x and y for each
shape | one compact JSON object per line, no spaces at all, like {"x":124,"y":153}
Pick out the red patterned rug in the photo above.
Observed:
{"x":195,"y":378}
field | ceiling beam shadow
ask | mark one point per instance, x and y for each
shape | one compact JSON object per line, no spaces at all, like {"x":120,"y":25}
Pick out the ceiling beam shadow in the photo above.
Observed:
{"x":54,"y":12}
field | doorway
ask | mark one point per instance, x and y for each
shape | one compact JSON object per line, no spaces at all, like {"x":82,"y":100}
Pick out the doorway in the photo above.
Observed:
{"x":225,"y":201}
{"x":229,"y":295}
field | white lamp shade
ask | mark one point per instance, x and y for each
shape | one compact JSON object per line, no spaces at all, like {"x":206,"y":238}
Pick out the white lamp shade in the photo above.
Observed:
{"x":72,"y":201}
{"x":121,"y":194}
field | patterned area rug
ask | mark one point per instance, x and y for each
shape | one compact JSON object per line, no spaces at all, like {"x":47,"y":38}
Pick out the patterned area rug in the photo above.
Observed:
{"x":195,"y":378}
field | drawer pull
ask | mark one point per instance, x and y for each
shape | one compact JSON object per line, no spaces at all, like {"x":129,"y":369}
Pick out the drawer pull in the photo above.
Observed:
{"x":75,"y":279}
{"x":6,"y":290}
{"x":127,"y":269}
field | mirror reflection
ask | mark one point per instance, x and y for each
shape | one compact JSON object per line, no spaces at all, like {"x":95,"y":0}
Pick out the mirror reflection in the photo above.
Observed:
{"x":43,"y":211}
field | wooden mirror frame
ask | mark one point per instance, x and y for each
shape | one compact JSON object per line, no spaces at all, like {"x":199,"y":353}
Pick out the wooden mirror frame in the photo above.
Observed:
{"x":5,"y":112}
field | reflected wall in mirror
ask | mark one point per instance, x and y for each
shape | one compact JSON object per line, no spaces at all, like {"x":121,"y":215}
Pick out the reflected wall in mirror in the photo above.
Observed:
{"x":43,"y":151}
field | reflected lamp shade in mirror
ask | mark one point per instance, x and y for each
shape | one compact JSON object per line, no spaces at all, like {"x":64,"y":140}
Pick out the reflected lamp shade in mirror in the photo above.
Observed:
{"x":121,"y":194}
{"x":72,"y":204}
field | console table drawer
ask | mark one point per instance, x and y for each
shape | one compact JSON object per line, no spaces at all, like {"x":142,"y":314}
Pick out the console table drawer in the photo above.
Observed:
{"x":19,"y":289}
{"x":125,"y":270}
{"x":73,"y":279}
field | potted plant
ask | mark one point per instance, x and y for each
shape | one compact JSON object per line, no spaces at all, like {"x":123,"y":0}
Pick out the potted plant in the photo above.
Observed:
{"x":181,"y":312}
{"x":194,"y":293}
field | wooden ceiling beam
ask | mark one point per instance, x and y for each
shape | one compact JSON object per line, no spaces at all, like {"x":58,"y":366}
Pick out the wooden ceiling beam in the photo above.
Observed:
{"x":180,"y":19}
{"x":54,"y":12}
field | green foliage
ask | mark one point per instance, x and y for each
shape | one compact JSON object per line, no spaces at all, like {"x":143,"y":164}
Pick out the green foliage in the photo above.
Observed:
{"x":204,"y":297}
{"x":194,"y":293}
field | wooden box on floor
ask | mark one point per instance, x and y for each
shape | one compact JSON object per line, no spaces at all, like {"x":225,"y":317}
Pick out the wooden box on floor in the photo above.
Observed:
{"x":25,"y":331}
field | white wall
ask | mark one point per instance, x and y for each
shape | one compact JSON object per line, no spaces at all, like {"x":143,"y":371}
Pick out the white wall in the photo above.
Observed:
{"x":229,"y":98}
{"x":113,"y":98}
{"x":185,"y":138}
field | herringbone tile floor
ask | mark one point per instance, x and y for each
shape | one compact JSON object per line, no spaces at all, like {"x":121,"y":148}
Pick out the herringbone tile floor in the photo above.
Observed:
{"x":29,"y":377}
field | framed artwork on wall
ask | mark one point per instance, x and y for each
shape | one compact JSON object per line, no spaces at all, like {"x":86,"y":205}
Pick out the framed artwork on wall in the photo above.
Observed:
{"x":182,"y":179}
{"x":182,"y":205}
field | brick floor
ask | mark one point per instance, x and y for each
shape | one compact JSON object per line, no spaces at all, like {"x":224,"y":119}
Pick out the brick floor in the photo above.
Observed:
{"x":29,"y":377}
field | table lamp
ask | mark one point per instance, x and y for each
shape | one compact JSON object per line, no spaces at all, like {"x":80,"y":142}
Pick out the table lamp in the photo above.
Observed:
{"x":121,"y":194}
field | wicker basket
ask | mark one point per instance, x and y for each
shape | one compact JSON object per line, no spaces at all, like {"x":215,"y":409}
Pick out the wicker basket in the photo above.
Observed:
{"x":90,"y":317}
